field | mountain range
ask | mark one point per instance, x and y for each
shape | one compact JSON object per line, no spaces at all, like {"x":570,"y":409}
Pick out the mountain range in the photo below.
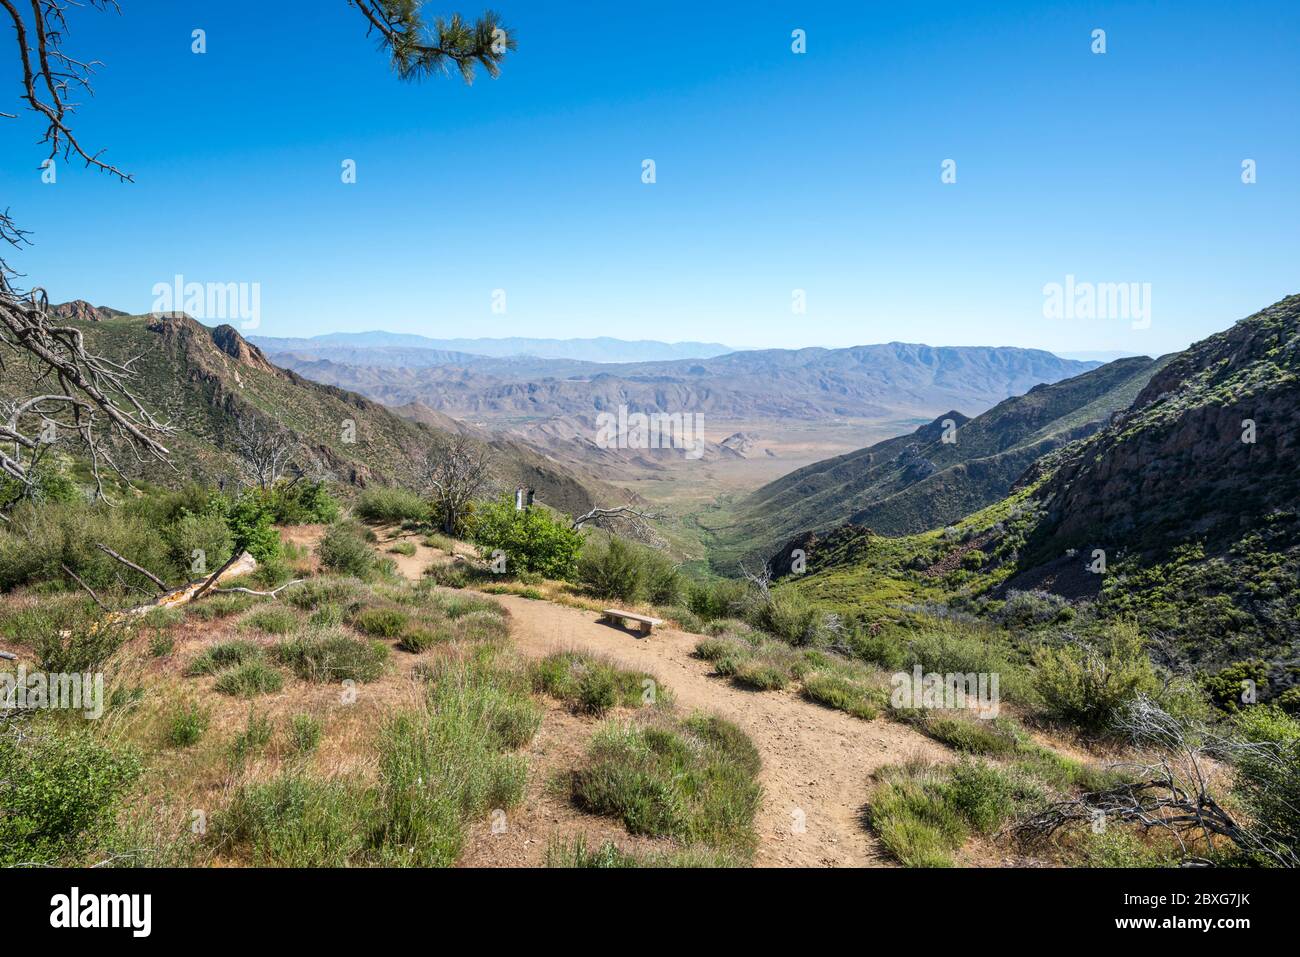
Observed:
{"x":407,"y":345}
{"x":890,"y":382}
{"x":944,"y":470}
{"x":1180,"y":512}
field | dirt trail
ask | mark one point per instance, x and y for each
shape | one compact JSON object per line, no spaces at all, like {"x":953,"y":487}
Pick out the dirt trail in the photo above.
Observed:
{"x":816,"y":761}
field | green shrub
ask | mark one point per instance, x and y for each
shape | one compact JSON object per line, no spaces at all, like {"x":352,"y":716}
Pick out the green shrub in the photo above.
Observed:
{"x":591,"y":685}
{"x":761,"y":675}
{"x":161,"y":645}
{"x":249,"y":680}
{"x":1089,"y":686}
{"x":252,"y":523}
{"x":406,"y":549}
{"x":843,"y":694}
{"x":224,"y":655}
{"x":533,"y":540}
{"x":272,"y":619}
{"x":73,"y":638}
{"x":1228,"y":687}
{"x":186,"y":725}
{"x":59,"y":792}
{"x":381,"y":622}
{"x":330,"y":656}
{"x":790,"y":616}
{"x":326,"y":590}
{"x":344,"y":549}
{"x":1266,"y":777}
{"x":611,"y":567}
{"x":303,"y":503}
{"x":298,"y":821}
{"x":254,"y":738}
{"x":420,"y":638}
{"x":695,"y":782}
{"x":304,"y":733}
{"x":213,"y":607}
{"x":200,"y":544}
{"x":452,"y":575}
{"x":722,"y":598}
{"x":391,"y":506}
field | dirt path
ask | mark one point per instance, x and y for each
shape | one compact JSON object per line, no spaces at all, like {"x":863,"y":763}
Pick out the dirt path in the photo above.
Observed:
{"x":815,"y":761}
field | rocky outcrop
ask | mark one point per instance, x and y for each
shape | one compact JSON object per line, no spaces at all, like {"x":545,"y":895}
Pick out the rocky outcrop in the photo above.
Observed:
{"x":82,"y":311}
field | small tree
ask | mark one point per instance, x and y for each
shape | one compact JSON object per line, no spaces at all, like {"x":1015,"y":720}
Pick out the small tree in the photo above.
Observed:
{"x":458,"y":473}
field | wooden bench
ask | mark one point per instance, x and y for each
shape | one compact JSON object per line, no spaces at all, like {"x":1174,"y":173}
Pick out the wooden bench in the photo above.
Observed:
{"x":614,"y":616}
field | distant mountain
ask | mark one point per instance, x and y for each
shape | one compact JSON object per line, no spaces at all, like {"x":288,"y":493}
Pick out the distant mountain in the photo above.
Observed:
{"x":403,"y":348}
{"x":1189,"y":495}
{"x":205,"y":381}
{"x":944,"y":470}
{"x":895,"y":381}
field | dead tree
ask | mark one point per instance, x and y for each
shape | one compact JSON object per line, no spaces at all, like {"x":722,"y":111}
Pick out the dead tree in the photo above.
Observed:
{"x":457,"y":474}
{"x":624,"y":521}
{"x":77,"y":393}
{"x":1171,"y":793}
{"x":80,"y":394}
{"x":266,"y":451}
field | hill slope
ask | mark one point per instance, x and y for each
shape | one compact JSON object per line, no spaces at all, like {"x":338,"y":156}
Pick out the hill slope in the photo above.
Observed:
{"x":1195,"y":512}
{"x":915,"y":482}
{"x":204,"y":381}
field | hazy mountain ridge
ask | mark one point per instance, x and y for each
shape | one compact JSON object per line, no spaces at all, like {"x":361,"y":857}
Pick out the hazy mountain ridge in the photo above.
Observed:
{"x":890,"y":381}
{"x":601,"y":349}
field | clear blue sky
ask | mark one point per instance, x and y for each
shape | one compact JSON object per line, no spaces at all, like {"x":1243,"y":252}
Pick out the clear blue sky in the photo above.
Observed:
{"x":775,"y":171}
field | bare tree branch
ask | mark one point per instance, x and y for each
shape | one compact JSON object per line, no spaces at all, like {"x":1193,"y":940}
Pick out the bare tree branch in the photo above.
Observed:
{"x":266,"y":450}
{"x":457,"y":474}
{"x":626,"y":521}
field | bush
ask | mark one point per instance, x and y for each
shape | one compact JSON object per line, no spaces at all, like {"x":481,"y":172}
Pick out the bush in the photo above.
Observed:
{"x":70,"y":638}
{"x":330,"y":656}
{"x":1025,"y":609}
{"x":406,"y":549}
{"x":790,"y":616}
{"x":272,"y":619}
{"x":1267,"y":777}
{"x":591,"y":685}
{"x":304,"y":733}
{"x":611,"y":567}
{"x":250,"y":679}
{"x":760,"y":674}
{"x":295,"y":821}
{"x":255,"y":736}
{"x":723,"y":598}
{"x":533,"y":540}
{"x":219,"y":657}
{"x":252,"y":522}
{"x":344,"y":549}
{"x":695,"y":781}
{"x":1090,"y":686}
{"x":200,"y":543}
{"x":303,"y":503}
{"x":186,"y":725}
{"x":59,"y":790}
{"x":381,"y":622}
{"x":1227,"y":688}
{"x":843,"y":694}
{"x":391,"y":506}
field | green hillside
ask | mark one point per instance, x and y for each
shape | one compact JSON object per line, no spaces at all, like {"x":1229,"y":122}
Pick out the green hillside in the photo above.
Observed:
{"x":203,"y":382}
{"x":1200,"y":530}
{"x":915,"y":482}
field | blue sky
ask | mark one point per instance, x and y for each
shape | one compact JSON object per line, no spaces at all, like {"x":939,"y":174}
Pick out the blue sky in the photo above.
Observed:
{"x":775,"y":171}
